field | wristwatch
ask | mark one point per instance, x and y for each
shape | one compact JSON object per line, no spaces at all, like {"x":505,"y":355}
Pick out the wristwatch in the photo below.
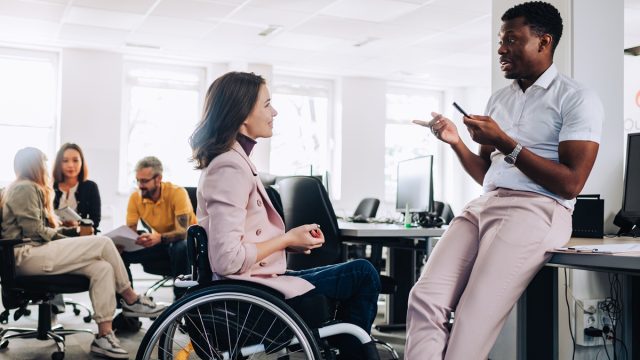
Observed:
{"x":511,"y":158}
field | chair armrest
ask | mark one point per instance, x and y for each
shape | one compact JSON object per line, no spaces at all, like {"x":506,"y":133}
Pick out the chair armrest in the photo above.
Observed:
{"x":10,"y":243}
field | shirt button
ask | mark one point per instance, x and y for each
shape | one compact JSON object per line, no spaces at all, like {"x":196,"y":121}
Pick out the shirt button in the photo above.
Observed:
{"x":258,"y":232}
{"x":262,"y":263}
{"x":259,"y":202}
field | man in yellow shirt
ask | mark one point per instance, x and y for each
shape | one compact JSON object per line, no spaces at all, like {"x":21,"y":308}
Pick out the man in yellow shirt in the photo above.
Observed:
{"x":166,"y":212}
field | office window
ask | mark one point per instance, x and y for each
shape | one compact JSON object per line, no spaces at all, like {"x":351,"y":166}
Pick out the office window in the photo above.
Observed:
{"x":300,"y":142}
{"x":28,"y":105}
{"x":163,"y":104}
{"x":404,"y":140}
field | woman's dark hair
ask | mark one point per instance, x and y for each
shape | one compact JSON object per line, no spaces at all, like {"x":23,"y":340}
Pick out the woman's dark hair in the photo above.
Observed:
{"x":542,"y":18}
{"x":229,"y":101}
{"x":58,"y":176}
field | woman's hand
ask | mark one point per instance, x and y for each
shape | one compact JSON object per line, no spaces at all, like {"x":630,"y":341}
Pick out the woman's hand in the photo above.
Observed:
{"x":304,"y":238}
{"x":70,"y":223}
{"x":442,"y":128}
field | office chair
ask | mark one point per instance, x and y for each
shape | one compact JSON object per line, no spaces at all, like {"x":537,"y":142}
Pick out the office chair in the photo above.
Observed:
{"x":368,"y":207}
{"x":443,"y":211}
{"x":305,"y":201}
{"x":20,"y":291}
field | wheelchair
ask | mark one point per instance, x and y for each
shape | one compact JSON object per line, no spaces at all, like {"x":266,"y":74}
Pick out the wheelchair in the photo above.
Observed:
{"x":233,"y":319}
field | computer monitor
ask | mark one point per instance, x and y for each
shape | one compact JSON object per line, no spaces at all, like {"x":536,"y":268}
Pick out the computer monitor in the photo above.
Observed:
{"x":415,"y":185}
{"x":629,"y":216}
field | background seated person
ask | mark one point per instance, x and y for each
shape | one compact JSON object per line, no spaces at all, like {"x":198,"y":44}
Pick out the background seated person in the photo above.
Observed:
{"x":73,"y":188}
{"x":166,"y":211}
{"x":247,"y":238}
{"x":27,"y":213}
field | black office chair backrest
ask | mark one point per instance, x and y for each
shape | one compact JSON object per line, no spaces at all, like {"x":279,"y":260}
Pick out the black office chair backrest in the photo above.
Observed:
{"x":191,"y":191}
{"x":368,"y":207}
{"x":443,"y":211}
{"x":305,"y":201}
{"x":274,"y":196}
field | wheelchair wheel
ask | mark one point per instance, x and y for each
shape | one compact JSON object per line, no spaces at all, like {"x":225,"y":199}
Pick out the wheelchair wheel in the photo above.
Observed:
{"x":228,"y":321}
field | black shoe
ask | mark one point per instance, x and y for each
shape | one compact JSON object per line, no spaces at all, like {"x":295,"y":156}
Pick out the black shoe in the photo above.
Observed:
{"x":126,"y":324}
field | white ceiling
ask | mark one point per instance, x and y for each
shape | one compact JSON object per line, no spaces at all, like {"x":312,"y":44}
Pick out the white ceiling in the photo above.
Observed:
{"x":441,"y":42}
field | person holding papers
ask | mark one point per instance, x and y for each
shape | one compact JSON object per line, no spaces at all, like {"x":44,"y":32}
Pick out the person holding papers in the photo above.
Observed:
{"x":72,"y":187}
{"x":27,"y":213}
{"x":247,"y":238}
{"x":166,"y":212}
{"x":537,"y":145}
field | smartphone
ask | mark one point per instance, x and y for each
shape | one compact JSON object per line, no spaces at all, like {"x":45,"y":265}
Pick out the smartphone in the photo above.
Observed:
{"x":460,"y":109}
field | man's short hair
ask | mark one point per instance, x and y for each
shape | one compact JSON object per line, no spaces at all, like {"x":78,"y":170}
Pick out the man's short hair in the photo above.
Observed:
{"x":542,"y":18}
{"x":150,"y":162}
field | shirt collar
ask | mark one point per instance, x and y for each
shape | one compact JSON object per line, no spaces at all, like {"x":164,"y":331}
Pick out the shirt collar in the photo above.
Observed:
{"x":543,"y":80}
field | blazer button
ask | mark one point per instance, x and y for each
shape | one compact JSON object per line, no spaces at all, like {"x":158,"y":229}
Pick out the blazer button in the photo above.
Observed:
{"x":262,"y":263}
{"x":258,"y":232}
{"x":259,"y":202}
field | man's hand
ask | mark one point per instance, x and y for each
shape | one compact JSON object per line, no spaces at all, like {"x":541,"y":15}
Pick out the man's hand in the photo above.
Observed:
{"x":486,"y":131}
{"x":148,"y":240}
{"x":442,"y":128}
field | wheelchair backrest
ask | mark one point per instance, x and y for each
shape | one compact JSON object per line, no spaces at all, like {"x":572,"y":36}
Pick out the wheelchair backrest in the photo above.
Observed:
{"x":198,"y":254}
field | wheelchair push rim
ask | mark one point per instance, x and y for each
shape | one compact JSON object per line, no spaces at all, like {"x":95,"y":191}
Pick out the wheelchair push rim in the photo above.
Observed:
{"x":228,"y":322}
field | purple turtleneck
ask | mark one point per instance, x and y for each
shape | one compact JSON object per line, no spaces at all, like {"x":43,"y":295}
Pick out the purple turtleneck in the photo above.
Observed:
{"x":246,"y":142}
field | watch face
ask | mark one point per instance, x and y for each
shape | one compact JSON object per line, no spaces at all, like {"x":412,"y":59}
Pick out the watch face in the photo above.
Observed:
{"x":509,"y":159}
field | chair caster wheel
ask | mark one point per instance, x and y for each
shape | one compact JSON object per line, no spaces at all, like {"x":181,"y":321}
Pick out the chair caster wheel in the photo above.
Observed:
{"x":4,"y":344}
{"x":27,"y":312}
{"x":87,"y":319}
{"x":58,"y":355}
{"x":76,"y":311}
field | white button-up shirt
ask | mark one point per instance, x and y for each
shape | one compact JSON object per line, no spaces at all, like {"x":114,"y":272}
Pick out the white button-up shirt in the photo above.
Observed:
{"x":555,"y":108}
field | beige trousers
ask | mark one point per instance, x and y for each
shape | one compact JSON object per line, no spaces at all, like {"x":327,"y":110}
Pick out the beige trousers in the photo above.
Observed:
{"x":479,"y":269}
{"x":95,"y":257}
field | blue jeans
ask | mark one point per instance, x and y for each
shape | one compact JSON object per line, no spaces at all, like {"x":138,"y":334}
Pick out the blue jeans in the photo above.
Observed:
{"x":162,"y":259}
{"x":355,"y":284}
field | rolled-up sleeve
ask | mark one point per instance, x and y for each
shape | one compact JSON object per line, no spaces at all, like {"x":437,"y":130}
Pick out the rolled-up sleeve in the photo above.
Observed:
{"x":226,"y":190}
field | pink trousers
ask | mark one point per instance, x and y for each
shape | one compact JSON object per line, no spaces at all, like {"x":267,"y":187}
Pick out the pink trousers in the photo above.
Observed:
{"x":479,"y":269}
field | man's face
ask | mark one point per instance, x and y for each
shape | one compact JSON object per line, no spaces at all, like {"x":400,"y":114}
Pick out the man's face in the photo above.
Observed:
{"x":519,"y":49}
{"x":148,"y":183}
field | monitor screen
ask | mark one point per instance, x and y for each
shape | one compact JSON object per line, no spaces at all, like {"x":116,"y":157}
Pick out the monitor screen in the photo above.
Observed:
{"x":415,"y":185}
{"x":631,"y":198}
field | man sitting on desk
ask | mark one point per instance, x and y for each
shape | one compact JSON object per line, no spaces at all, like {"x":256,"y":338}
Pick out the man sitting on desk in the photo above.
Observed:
{"x":166,"y":212}
{"x":538,"y":143}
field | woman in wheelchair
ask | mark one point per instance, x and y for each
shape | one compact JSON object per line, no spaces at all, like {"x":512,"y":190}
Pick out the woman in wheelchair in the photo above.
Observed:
{"x":247,"y":238}
{"x":27,"y":214}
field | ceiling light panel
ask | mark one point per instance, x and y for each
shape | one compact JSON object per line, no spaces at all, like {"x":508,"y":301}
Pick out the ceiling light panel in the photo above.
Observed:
{"x":304,"y":6}
{"x":102,"y":18}
{"x":92,"y":36}
{"x":305,"y":42}
{"x":437,"y":18}
{"x":32,"y":10}
{"x":229,"y":33}
{"x":266,"y":16}
{"x":129,"y":6}
{"x":175,"y":27}
{"x":369,"y":10}
{"x":193,"y":10}
{"x":14,"y":29}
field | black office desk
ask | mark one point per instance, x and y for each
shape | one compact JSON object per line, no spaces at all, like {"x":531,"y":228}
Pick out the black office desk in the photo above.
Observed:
{"x":404,"y":245}
{"x":537,"y":336}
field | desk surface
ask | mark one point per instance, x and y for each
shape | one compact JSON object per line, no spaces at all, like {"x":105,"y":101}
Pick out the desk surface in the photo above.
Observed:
{"x":621,"y":262}
{"x":386,"y":230}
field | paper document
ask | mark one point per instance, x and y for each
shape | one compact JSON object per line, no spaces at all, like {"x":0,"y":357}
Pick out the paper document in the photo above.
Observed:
{"x":602,"y":249}
{"x":125,"y":237}
{"x":67,"y":214}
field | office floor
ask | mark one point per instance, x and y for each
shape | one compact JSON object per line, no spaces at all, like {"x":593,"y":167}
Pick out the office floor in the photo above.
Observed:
{"x":77,"y":346}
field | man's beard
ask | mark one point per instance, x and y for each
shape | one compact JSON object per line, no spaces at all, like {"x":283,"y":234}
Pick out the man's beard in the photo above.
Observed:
{"x":147,"y":193}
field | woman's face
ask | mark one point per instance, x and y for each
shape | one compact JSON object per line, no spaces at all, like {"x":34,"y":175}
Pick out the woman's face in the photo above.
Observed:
{"x":71,"y":164}
{"x":259,"y":123}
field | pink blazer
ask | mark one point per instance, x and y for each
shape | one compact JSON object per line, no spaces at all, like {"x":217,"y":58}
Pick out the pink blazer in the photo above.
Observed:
{"x":235,"y":211}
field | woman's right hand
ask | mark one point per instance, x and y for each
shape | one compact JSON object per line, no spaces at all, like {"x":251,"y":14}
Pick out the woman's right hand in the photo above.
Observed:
{"x":442,"y":128}
{"x":304,"y":238}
